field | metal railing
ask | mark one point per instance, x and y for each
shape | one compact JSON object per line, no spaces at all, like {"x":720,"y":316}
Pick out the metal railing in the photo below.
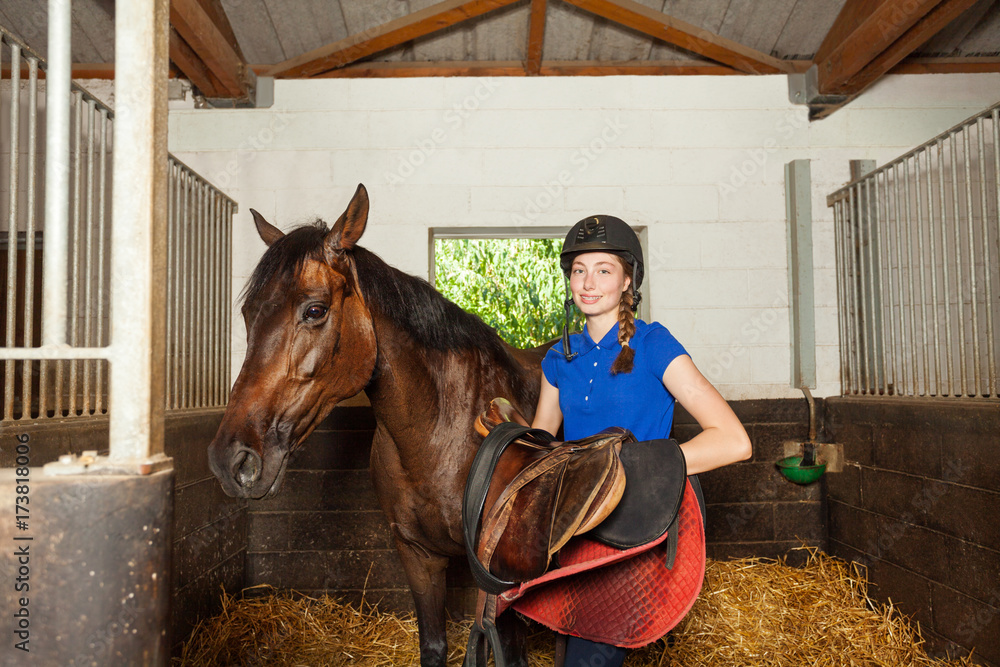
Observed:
{"x":198,"y":261}
{"x":918,"y":268}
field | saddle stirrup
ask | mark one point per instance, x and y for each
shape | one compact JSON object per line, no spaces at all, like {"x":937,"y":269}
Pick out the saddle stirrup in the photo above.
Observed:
{"x":483,"y":637}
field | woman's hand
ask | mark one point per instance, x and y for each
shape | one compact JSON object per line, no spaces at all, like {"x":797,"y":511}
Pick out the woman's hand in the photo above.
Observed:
{"x":723,"y":439}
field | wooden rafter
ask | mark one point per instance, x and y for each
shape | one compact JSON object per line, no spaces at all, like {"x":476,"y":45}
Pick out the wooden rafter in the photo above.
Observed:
{"x":878,"y":41}
{"x":209,"y":56}
{"x":399,"y":31}
{"x":516,"y":68}
{"x":536,"y":37}
{"x":921,"y":31}
{"x":194,"y":69}
{"x":685,"y":35}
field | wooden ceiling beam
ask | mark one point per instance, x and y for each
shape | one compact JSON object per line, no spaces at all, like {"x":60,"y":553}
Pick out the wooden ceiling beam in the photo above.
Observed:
{"x":972,"y":65}
{"x":188,"y":62}
{"x":209,"y":44}
{"x":872,"y":39}
{"x":921,"y":31}
{"x":399,"y":31}
{"x":516,"y":68}
{"x":656,"y":24}
{"x":536,"y":38}
{"x":947,"y":66}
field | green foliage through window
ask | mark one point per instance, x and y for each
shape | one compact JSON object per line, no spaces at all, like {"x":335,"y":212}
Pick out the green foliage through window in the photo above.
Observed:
{"x":514,"y":285}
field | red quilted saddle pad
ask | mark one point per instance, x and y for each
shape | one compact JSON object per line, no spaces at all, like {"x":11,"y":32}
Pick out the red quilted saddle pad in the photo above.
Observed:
{"x":624,"y":597}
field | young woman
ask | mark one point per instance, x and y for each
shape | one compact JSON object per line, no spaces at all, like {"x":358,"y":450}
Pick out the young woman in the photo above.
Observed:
{"x":621,"y":371}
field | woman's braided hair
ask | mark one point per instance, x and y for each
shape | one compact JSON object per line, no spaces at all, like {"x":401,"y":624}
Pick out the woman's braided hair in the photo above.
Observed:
{"x":626,"y":325}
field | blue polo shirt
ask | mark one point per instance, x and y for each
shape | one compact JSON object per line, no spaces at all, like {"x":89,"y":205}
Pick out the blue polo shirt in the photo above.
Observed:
{"x":592,"y":399}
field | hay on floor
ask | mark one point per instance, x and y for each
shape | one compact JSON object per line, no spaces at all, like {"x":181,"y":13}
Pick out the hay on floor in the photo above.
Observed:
{"x":751,"y":612}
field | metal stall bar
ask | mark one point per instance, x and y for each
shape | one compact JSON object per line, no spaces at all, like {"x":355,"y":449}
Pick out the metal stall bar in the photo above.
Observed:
{"x":932,"y":251}
{"x":57,"y":107}
{"x":990,"y":380}
{"x":15,"y":132}
{"x":102,"y":232}
{"x":943,"y":223}
{"x":973,"y":288}
{"x":29,"y":238}
{"x":959,"y":298}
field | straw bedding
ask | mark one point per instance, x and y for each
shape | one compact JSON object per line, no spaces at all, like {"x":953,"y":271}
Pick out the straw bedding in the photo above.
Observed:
{"x":752,"y":612}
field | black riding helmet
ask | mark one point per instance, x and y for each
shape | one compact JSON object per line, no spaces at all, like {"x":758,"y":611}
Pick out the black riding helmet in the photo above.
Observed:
{"x":601,"y":233}
{"x":604,"y":233}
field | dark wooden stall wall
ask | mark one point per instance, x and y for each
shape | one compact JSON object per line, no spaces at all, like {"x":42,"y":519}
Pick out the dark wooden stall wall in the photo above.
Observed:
{"x":210,"y":533}
{"x":919,"y":505}
{"x":210,"y":528}
{"x":752,"y":509}
{"x":325,"y":533}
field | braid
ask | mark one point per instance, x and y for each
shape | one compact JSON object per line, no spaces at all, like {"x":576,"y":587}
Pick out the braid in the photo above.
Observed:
{"x":626,"y":329}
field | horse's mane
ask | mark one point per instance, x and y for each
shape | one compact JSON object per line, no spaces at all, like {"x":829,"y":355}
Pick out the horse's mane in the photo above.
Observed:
{"x":409,"y":302}
{"x":417,"y":308}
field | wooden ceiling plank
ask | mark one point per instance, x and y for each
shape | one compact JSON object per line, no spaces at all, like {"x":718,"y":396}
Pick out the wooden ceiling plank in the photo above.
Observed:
{"x":928,"y":26}
{"x":947,"y":42}
{"x":399,"y":31}
{"x":250,"y":20}
{"x":804,"y":31}
{"x":692,"y":38}
{"x":196,"y":28}
{"x":536,"y":37}
{"x":889,"y":21}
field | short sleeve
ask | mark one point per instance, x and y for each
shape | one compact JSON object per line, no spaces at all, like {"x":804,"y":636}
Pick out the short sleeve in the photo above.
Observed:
{"x":549,"y":366}
{"x":660,"y":348}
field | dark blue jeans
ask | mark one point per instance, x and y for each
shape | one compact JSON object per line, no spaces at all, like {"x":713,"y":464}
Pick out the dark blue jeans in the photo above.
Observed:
{"x":585,"y":653}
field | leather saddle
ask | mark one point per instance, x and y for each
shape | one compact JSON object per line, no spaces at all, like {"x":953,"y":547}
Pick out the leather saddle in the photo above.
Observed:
{"x":527,"y":495}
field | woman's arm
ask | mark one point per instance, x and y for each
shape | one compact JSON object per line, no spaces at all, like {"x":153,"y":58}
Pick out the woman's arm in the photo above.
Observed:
{"x":548,"y":415}
{"x":723,"y":439}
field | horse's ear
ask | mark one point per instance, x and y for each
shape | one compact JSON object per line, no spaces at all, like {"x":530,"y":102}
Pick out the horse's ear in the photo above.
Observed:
{"x":268,"y":232}
{"x":351,"y":225}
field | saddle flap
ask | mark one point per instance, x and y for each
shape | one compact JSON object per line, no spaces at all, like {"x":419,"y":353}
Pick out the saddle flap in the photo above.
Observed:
{"x":549,"y":501}
{"x":656,"y":475}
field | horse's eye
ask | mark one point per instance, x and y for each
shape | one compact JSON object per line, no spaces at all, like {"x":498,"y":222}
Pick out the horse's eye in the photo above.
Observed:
{"x":315,"y":312}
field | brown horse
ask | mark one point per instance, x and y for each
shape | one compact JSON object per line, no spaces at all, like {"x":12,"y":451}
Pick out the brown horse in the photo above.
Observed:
{"x":326,"y":319}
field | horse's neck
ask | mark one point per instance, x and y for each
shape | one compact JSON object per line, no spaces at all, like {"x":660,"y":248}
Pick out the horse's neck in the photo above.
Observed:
{"x":430,"y":392}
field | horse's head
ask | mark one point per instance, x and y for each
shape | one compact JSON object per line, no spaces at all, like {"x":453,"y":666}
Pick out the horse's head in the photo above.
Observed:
{"x":310,"y":344}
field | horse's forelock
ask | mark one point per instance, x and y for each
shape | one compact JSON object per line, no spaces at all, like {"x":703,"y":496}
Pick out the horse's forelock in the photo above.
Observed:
{"x":284,"y":258}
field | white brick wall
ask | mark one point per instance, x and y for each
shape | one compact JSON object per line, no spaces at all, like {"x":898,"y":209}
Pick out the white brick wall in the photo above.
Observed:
{"x":698,"y":160}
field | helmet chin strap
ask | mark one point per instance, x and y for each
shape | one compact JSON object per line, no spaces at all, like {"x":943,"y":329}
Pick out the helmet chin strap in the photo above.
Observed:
{"x":565,"y":334}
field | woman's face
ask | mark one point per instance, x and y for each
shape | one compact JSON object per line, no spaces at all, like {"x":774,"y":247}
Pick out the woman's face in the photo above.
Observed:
{"x":597,"y":280}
